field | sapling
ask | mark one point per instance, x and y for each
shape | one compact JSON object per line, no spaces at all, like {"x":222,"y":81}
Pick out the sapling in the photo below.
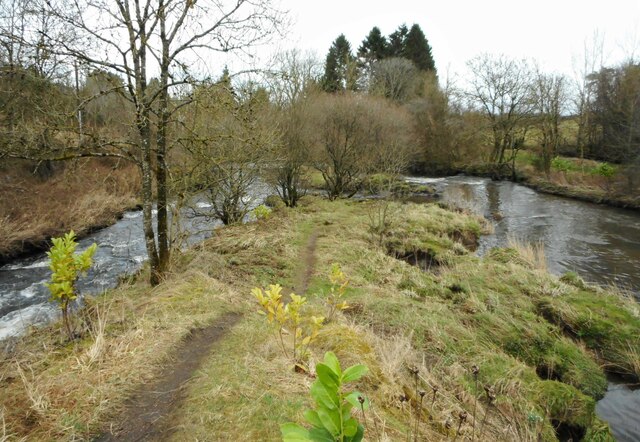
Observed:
{"x":331,"y":420}
{"x":66,"y":266}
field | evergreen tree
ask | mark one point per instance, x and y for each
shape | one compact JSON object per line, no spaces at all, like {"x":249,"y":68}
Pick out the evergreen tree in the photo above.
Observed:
{"x":340,"y":72}
{"x":416,"y":48}
{"x":374,"y":47}
{"x":397,"y":41}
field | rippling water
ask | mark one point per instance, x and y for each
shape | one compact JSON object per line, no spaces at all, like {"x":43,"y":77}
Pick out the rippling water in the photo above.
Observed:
{"x":121,"y":250}
{"x":600,"y":243}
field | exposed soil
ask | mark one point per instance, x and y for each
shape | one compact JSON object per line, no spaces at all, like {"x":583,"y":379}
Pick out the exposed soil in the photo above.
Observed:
{"x":308,"y":263}
{"x":147,"y":413}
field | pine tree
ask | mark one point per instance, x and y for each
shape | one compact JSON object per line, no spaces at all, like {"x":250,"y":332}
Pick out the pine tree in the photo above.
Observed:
{"x":417,"y":49}
{"x":397,"y":41}
{"x":340,"y":72}
{"x":374,"y":47}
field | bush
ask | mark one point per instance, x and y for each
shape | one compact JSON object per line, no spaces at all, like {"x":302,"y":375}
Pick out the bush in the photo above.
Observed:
{"x":262,"y":212}
{"x":67,"y":266}
{"x":561,"y":164}
{"x":604,"y":170}
{"x":332,"y":419}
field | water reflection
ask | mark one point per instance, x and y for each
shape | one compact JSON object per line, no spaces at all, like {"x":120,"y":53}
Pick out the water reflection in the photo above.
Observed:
{"x":600,"y":243}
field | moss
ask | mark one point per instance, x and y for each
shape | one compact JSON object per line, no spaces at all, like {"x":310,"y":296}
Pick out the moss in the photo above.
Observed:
{"x":603,"y":323}
{"x":506,"y":255}
{"x":564,"y":404}
{"x":274,"y":202}
{"x":573,"y":279}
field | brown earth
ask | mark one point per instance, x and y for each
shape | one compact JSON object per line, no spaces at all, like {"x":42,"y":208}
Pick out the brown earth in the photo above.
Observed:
{"x":147,"y":416}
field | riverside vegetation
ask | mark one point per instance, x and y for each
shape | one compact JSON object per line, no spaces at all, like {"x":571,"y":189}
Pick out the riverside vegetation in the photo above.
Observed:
{"x":457,"y":346}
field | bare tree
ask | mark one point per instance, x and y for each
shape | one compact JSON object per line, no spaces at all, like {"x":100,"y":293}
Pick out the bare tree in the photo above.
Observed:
{"x":549,"y":94}
{"x":592,"y":61}
{"x":357,"y":136}
{"x":395,"y":78}
{"x":499,"y":88}
{"x":136,"y":40}
{"x":291,"y":84}
{"x":229,"y":143}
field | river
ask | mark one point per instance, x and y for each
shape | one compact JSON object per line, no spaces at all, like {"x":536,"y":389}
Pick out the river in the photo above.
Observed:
{"x":600,"y":243}
{"x":24,"y":300}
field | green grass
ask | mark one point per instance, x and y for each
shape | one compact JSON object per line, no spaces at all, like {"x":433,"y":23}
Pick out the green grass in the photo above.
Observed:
{"x":538,"y":341}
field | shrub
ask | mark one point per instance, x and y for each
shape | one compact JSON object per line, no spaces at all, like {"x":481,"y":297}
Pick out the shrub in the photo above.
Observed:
{"x":67,"y":266}
{"x":605,"y":170}
{"x":332,"y":419}
{"x":561,"y":164}
{"x":288,"y":318}
{"x":262,"y":212}
{"x":339,"y":283}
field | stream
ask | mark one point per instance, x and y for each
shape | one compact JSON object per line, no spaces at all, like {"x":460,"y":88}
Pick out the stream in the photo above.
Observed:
{"x":24,"y":300}
{"x":600,"y":243}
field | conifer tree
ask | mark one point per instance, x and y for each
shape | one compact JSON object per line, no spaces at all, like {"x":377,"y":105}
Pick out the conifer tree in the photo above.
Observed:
{"x":340,"y":72}
{"x":397,"y":41}
{"x":374,"y":47}
{"x":417,"y":49}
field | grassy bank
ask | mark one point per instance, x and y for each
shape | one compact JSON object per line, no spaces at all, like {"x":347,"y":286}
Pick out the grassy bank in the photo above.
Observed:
{"x":539,"y":342}
{"x":572,"y":178}
{"x":85,"y":195}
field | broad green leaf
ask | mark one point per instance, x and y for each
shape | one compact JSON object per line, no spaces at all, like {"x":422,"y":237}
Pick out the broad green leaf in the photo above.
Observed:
{"x":294,"y":433}
{"x":359,"y":435}
{"x":350,"y":427}
{"x":323,"y":396}
{"x":330,"y":420}
{"x":346,"y":411}
{"x":327,"y":376}
{"x":311,"y":416}
{"x":332,"y":362}
{"x":321,"y":435}
{"x":352,"y":398}
{"x":354,"y":373}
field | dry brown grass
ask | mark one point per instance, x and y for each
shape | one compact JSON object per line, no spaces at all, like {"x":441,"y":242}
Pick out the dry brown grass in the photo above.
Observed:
{"x":532,"y":253}
{"x":86,"y":194}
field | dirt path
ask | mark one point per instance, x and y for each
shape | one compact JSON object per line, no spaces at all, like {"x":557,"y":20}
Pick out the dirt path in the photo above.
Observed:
{"x":307,"y":265}
{"x":146,"y":417}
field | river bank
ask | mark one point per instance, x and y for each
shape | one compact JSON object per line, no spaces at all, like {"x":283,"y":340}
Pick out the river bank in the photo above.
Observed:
{"x":517,"y":324}
{"x":85,"y":197}
{"x":585,"y":187}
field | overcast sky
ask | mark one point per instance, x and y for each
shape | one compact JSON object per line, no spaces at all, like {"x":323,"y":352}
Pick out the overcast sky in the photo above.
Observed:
{"x":550,"y":31}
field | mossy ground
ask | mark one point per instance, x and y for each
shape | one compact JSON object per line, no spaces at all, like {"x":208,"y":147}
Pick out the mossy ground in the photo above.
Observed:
{"x":539,"y":342}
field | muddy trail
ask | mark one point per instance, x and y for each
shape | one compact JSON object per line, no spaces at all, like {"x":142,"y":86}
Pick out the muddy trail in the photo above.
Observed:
{"x":308,"y":263}
{"x":147,"y":415}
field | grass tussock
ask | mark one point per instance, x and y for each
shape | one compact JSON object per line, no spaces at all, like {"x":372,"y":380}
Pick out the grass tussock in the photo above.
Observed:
{"x":493,"y":340}
{"x":85,"y":195}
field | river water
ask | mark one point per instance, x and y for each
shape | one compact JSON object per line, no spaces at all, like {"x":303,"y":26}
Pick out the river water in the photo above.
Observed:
{"x":600,"y":243}
{"x":24,"y":300}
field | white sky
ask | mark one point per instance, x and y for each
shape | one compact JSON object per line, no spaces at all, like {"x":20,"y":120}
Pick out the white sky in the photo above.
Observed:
{"x":551,"y":31}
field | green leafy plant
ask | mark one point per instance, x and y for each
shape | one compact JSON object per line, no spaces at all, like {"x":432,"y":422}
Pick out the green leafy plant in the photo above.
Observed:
{"x":335,"y":297}
{"x":262,"y":212}
{"x":288,"y":319}
{"x":332,"y":418}
{"x":66,"y":266}
{"x":607,"y":171}
{"x":561,"y":164}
